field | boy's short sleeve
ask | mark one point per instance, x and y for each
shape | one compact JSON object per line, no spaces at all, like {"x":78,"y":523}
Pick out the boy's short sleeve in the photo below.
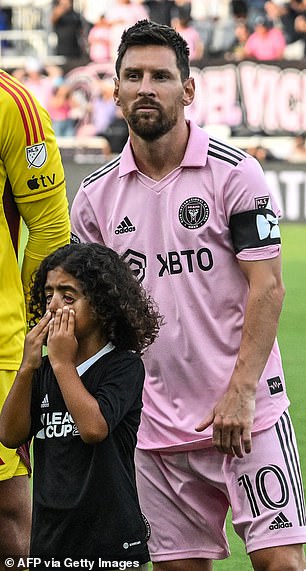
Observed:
{"x":120,"y":390}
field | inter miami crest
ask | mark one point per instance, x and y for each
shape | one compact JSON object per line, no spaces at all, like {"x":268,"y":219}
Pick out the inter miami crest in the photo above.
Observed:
{"x":193,"y":213}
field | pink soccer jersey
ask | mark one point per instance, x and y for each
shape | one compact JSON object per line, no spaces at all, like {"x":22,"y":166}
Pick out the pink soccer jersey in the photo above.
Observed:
{"x":182,"y":235}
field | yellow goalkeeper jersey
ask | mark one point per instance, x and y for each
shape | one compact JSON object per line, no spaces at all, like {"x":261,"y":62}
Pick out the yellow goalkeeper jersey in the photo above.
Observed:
{"x":32,"y":188}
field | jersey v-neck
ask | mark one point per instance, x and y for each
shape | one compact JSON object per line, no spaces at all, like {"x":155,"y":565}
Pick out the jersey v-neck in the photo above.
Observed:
{"x":158,"y":185}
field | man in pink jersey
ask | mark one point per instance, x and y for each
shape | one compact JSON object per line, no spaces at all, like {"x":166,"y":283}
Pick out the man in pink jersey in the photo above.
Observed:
{"x":196,"y":221}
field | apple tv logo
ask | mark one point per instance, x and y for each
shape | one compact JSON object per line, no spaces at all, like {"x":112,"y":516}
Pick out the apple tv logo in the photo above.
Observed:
{"x":35,"y":182}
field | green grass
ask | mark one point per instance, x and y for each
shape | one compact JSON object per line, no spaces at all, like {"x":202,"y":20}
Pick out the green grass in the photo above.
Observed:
{"x":291,"y":338}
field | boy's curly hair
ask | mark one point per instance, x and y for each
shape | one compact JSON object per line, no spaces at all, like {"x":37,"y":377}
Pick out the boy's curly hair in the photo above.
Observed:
{"x":127,"y":314}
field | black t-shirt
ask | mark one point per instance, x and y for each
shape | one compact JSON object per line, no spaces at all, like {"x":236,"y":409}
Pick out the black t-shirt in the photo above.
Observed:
{"x":85,"y":503}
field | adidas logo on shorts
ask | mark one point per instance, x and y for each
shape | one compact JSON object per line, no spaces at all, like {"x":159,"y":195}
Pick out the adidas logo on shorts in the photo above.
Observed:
{"x":280,"y":522}
{"x":125,"y":226}
{"x":45,"y":402}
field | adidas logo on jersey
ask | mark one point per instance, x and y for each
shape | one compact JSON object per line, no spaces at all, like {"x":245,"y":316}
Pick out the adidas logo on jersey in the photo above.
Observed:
{"x":125,"y":226}
{"x":280,"y":522}
{"x":45,"y":402}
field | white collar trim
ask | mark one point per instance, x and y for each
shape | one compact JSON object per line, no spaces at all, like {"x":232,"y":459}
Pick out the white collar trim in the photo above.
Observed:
{"x":84,"y":366}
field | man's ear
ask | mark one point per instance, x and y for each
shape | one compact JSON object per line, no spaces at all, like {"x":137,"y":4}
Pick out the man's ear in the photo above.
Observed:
{"x":189,"y":91}
{"x":116,"y":92}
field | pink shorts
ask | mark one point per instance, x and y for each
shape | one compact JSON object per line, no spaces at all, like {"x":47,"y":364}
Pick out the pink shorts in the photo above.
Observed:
{"x":186,"y":496}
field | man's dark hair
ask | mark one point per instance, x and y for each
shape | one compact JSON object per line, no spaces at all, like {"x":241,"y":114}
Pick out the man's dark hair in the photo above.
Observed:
{"x":126,"y":314}
{"x":146,"y":33}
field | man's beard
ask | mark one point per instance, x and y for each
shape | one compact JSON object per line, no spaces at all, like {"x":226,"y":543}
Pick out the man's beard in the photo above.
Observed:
{"x":150,"y":129}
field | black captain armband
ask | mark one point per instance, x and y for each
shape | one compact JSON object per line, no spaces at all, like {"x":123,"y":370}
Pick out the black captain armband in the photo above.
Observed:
{"x":254,"y":229}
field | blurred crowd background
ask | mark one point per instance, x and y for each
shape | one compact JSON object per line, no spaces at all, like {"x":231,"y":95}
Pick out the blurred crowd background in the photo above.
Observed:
{"x":64,"y":51}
